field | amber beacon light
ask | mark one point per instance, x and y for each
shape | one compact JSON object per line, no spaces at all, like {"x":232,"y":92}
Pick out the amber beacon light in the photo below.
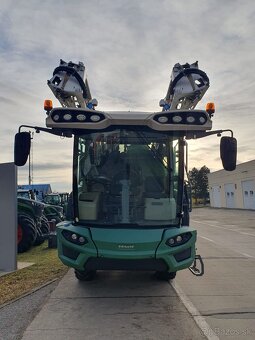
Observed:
{"x":210,"y":108}
{"x":48,"y":105}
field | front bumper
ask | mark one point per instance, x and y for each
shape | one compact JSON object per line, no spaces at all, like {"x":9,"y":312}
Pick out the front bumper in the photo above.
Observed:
{"x":106,"y":251}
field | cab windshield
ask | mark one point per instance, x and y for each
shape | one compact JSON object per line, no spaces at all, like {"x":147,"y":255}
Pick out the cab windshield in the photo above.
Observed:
{"x":52,"y":199}
{"x":128,"y":178}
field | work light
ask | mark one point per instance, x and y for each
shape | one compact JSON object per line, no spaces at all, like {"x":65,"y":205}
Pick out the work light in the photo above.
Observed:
{"x":67,"y":116}
{"x":190,"y":119}
{"x":95,"y":118}
{"x":81,"y":117}
{"x":162,"y":119}
{"x":177,"y":119}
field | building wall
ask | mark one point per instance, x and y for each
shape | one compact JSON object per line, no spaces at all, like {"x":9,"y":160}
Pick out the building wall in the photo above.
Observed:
{"x":8,"y":213}
{"x":227,"y":188}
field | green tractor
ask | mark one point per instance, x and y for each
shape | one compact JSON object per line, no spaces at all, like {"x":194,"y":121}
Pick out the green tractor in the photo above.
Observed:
{"x":54,"y":212}
{"x":57,"y":199}
{"x":34,"y":220}
{"x":33,"y":226}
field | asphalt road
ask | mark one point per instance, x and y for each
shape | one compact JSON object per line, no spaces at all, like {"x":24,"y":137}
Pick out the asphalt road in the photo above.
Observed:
{"x":16,"y":316}
{"x":136,"y":306}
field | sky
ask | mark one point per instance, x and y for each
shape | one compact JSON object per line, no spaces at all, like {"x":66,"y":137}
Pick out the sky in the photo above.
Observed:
{"x":129,"y":48}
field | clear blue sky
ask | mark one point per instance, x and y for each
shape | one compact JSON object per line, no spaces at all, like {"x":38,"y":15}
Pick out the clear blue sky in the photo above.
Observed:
{"x":129,"y":49}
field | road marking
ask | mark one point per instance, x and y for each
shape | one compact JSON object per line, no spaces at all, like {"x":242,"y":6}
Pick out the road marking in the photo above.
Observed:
{"x":216,"y":226}
{"x":248,"y":255}
{"x":235,"y":251}
{"x":208,"y":239}
{"x":241,"y":232}
{"x":198,"y":318}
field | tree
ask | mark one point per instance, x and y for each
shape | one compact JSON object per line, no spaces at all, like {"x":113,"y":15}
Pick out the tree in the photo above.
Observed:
{"x":199,"y":183}
{"x":203,"y":180}
{"x":193,"y":178}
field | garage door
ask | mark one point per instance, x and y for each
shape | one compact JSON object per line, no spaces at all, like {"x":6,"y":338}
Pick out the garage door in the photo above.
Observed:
{"x":216,"y":197}
{"x":248,"y":188}
{"x":230,"y":195}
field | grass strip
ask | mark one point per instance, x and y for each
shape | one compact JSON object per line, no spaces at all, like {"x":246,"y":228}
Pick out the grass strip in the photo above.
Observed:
{"x":47,"y":267}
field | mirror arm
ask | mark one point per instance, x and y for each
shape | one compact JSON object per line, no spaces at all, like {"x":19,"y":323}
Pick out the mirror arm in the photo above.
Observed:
{"x":201,"y":134}
{"x":57,"y":132}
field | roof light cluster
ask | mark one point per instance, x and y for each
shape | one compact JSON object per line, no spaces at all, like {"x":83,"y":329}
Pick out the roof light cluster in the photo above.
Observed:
{"x":74,"y":116}
{"x":189,"y":118}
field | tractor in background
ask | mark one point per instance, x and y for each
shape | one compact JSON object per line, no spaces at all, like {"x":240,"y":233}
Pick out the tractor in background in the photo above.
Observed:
{"x":34,"y":220}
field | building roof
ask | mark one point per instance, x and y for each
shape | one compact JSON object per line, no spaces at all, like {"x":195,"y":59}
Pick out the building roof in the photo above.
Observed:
{"x":243,"y":171}
{"x":239,"y":167}
{"x":39,"y":187}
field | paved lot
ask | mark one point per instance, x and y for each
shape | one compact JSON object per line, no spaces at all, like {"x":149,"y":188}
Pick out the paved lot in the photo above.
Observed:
{"x":116,"y":305}
{"x":225,"y":295}
{"x":136,"y":306}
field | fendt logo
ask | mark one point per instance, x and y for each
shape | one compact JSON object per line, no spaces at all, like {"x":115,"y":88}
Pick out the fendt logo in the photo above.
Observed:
{"x":126,"y":246}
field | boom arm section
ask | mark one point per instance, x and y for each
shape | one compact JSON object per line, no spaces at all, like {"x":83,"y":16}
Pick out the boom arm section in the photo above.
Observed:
{"x":69,"y":87}
{"x":187,"y":86}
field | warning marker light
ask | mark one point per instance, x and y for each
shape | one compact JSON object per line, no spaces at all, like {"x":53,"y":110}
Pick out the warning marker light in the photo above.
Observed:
{"x":210,"y":108}
{"x":48,"y":105}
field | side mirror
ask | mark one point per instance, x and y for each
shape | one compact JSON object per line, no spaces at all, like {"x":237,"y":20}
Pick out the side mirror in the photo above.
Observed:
{"x":228,"y":152}
{"x":22,"y":146}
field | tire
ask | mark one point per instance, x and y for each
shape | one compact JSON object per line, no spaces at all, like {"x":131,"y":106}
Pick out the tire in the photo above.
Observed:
{"x":86,"y":275}
{"x":165,"y":276}
{"x":42,"y":233}
{"x":26,"y":233}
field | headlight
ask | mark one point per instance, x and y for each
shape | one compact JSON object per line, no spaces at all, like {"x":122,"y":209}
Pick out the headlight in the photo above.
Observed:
{"x":179,"y":239}
{"x":74,"y":237}
{"x":82,"y":240}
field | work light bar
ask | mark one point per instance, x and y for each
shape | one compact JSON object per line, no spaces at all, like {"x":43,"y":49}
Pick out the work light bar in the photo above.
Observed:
{"x":84,"y":118}
{"x":190,"y":117}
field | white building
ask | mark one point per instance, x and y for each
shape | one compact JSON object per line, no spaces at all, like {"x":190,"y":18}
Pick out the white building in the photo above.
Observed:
{"x":233,"y":189}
